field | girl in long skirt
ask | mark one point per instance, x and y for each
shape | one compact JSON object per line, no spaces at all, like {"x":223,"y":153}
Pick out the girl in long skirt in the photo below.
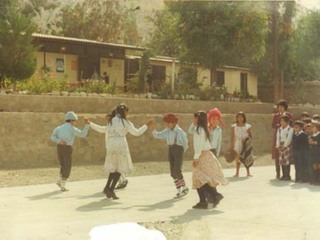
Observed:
{"x":207,"y":172}
{"x":118,"y":159}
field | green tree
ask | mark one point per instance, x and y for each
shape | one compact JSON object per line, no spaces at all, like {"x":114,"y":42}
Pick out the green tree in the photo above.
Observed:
{"x":102,"y":20}
{"x":17,"y":59}
{"x":44,"y":14}
{"x":306,"y":51}
{"x":165,"y":39}
{"x":215,"y":34}
{"x":277,"y":63}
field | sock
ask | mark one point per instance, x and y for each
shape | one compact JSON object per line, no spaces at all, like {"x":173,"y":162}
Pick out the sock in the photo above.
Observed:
{"x":182,"y":184}
{"x":177,"y":184}
{"x":116,"y":177}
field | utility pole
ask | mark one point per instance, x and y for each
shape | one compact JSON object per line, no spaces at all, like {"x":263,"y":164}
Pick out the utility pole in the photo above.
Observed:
{"x":276,"y":74}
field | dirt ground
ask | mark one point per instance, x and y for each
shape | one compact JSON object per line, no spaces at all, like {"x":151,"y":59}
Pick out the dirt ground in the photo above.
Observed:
{"x":172,"y":230}
{"x":22,"y":177}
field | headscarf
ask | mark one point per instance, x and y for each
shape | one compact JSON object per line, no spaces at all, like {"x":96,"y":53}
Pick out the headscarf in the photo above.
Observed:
{"x":215,"y":112}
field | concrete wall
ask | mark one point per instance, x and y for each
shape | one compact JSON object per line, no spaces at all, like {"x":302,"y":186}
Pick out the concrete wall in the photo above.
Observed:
{"x":25,"y":139}
{"x":44,"y":103}
{"x":115,"y":70}
{"x":28,"y":121}
{"x":303,"y":92}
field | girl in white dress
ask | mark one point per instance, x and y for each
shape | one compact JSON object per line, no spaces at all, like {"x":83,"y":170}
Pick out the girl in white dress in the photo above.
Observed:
{"x":240,"y":131}
{"x":207,"y":172}
{"x":118,"y":159}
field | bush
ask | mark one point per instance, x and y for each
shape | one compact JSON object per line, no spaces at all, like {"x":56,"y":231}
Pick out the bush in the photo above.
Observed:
{"x":212,"y":93}
{"x":45,"y":85}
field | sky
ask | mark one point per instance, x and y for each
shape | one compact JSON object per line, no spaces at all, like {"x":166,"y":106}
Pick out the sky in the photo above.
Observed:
{"x":310,"y":4}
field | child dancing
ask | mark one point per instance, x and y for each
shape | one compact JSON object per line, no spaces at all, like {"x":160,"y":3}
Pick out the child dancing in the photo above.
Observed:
{"x":64,"y":136}
{"x":118,"y":159}
{"x":178,"y":144}
{"x":207,"y":172}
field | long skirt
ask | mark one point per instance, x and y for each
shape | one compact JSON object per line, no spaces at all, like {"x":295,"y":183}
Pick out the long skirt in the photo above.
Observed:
{"x":208,"y":171}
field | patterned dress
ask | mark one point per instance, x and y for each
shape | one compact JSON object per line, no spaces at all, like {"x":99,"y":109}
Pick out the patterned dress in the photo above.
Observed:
{"x":209,"y":170}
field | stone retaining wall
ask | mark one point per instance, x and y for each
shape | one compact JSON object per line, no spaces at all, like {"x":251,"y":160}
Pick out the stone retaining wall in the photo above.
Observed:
{"x":61,"y":104}
{"x":28,"y":121}
{"x":25,"y":139}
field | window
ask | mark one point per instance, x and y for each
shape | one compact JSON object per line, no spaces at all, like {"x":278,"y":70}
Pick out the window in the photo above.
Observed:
{"x":244,"y":83}
{"x":218,"y":80}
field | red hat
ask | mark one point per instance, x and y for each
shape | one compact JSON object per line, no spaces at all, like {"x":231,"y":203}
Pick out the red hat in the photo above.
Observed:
{"x":170,"y":117}
{"x":215,"y":112}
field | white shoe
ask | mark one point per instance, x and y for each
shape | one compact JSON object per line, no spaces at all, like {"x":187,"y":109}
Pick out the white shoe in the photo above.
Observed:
{"x":185,"y":191}
{"x":178,"y":195}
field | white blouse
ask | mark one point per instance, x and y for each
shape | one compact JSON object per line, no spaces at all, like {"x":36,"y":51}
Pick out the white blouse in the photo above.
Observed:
{"x":284,"y":135}
{"x":118,"y":128}
{"x":200,"y":142}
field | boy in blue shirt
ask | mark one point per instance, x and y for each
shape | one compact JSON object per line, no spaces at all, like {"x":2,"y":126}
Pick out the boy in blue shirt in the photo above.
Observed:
{"x":178,"y":143}
{"x":64,"y":136}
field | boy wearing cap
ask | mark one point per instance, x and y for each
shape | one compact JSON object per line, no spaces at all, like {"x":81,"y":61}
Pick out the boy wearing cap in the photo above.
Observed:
{"x":64,"y":136}
{"x":178,"y":144}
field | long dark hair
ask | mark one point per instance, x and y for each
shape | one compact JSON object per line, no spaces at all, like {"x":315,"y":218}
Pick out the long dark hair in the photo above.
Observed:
{"x":112,"y":115}
{"x":121,"y":111}
{"x":202,"y":122}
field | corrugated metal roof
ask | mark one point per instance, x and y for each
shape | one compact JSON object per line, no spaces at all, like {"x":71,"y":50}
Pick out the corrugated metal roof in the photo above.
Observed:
{"x":85,"y":41}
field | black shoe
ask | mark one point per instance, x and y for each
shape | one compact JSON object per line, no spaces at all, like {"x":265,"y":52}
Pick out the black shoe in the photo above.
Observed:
{"x":201,"y":205}
{"x":114,"y":196}
{"x":217,"y":199}
{"x":287,"y":178}
{"x":107,"y":192}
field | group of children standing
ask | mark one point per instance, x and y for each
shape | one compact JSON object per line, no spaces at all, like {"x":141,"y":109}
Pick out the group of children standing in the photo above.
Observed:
{"x":296,"y":142}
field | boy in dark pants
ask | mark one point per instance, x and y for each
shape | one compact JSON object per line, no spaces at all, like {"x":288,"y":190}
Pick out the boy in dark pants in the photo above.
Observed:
{"x":178,"y":144}
{"x":299,"y":152}
{"x":64,"y":135}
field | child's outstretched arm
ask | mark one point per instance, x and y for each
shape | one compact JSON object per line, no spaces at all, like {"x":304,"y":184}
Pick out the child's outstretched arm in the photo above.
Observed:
{"x":160,"y":135}
{"x":98,"y":128}
{"x":136,"y":131}
{"x":82,"y":133}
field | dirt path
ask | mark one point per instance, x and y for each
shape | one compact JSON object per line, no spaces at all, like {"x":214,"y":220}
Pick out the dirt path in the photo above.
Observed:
{"x":22,"y":177}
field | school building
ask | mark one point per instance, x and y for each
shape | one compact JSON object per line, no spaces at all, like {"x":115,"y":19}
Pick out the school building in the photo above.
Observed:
{"x":82,"y":59}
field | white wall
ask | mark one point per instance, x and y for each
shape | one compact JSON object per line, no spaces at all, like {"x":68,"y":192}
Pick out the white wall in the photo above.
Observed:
{"x":70,"y":65}
{"x":115,"y":70}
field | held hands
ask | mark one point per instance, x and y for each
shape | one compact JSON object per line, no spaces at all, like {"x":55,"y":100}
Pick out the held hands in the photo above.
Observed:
{"x":150,"y":123}
{"x":86,"y":120}
{"x":62,"y":142}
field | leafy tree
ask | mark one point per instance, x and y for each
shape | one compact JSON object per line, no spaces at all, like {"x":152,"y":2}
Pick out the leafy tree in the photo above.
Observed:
{"x":165,"y":39}
{"x":215,"y":34}
{"x":17,"y":60}
{"x":306,"y":49}
{"x":44,"y":14}
{"x":102,"y":20}
{"x":277,"y":64}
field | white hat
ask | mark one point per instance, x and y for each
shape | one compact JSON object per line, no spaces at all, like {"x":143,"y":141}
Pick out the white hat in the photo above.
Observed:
{"x":70,"y":116}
